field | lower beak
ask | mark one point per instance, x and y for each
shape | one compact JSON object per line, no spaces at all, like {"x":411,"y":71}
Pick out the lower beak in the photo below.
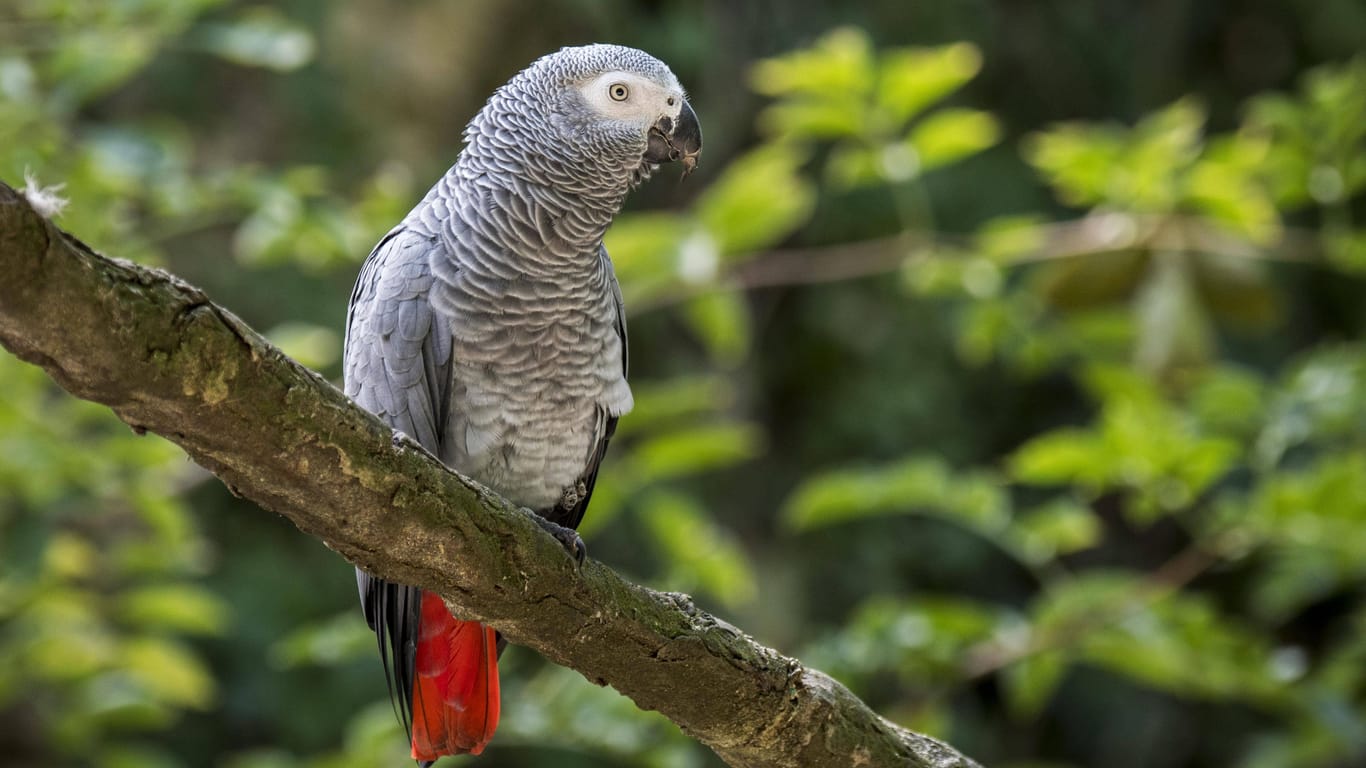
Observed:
{"x":676,"y":140}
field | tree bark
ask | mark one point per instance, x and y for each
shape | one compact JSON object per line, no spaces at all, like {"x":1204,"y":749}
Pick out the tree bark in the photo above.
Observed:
{"x":167,"y":360}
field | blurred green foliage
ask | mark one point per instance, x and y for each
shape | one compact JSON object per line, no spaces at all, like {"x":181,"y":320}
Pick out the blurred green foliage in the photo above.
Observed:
{"x":1018,"y":385}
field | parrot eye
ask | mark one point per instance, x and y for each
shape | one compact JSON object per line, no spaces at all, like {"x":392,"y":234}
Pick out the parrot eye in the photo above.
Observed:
{"x":618,"y":92}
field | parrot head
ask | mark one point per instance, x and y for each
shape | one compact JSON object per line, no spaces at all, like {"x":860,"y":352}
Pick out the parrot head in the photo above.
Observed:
{"x":607,"y":113}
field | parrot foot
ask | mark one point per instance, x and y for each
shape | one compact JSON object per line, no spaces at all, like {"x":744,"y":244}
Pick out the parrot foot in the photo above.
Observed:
{"x":568,"y":538}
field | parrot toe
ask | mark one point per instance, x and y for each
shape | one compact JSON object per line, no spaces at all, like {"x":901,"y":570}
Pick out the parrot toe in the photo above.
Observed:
{"x":568,"y":538}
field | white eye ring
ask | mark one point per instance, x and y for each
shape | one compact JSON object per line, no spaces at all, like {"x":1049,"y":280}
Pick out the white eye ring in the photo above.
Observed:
{"x":618,"y":92}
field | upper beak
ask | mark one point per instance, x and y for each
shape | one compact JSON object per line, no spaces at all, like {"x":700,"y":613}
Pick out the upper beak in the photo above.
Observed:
{"x":679,"y":139}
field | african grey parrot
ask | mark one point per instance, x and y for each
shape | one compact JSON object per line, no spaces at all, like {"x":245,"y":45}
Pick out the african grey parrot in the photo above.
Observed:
{"x":488,"y":326}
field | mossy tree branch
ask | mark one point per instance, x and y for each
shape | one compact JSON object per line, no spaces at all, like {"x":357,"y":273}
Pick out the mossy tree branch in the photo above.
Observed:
{"x":169,"y":361}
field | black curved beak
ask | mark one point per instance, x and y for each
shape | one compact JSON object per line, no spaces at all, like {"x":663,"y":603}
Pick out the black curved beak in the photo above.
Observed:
{"x":676,"y":140}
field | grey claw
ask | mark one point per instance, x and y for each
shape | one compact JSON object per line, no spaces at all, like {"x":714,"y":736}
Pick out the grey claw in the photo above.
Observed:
{"x":568,"y":538}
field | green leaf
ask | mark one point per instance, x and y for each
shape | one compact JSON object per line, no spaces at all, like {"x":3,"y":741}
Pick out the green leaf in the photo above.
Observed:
{"x":721,"y":320}
{"x":759,"y":200}
{"x":1006,"y":239}
{"x":315,"y":346}
{"x":923,"y":485}
{"x":1322,"y":399}
{"x":809,"y":118}
{"x":1058,"y":457}
{"x":1321,"y":506}
{"x":841,"y":62}
{"x":912,"y":79}
{"x":676,"y":401}
{"x":1178,"y":642}
{"x":90,"y":62}
{"x":853,"y":165}
{"x":644,"y":248}
{"x":921,"y":640}
{"x":1346,"y":251}
{"x":1059,"y":527}
{"x":261,"y":37}
{"x":1030,"y":682}
{"x":167,"y":672}
{"x":179,"y":607}
{"x":1225,"y":184}
{"x":953,"y":274}
{"x":1230,"y":400}
{"x":325,"y":643}
{"x":1141,"y":444}
{"x":695,"y":449}
{"x":949,"y":135}
{"x":1141,"y":169}
{"x":1077,"y":160}
{"x":1162,"y":146}
{"x":696,"y":553}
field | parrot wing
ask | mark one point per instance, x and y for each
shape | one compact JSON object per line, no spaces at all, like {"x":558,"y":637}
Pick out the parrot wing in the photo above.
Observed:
{"x":397,"y":365}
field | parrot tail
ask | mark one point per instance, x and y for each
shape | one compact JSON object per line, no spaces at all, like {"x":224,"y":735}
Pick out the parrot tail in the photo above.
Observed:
{"x":455,"y":691}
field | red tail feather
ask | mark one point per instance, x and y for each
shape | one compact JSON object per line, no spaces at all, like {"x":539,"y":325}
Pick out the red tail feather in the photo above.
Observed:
{"x":455,"y":690}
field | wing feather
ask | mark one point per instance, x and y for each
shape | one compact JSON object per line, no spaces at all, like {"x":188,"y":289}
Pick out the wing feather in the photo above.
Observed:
{"x":397,"y":364}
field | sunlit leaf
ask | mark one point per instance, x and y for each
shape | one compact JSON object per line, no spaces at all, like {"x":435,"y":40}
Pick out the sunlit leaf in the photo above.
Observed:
{"x":179,"y":607}
{"x":696,"y":553}
{"x":1061,"y":456}
{"x":1347,"y":250}
{"x":841,"y":62}
{"x":90,"y":62}
{"x":168,"y":672}
{"x":1141,"y":444}
{"x":325,"y":643}
{"x":1231,"y":400}
{"x":644,"y":249}
{"x":260,"y":37}
{"x":1009,"y":238}
{"x":696,"y":449}
{"x":921,"y":640}
{"x":953,"y":274}
{"x":1077,"y":160}
{"x":829,"y":118}
{"x":1226,"y":185}
{"x":854,"y":165}
{"x":1057,"y":528}
{"x":912,"y":79}
{"x":916,"y":485}
{"x":721,"y":320}
{"x":676,"y":401}
{"x":1161,"y":147}
{"x":315,"y":346}
{"x":1323,"y":398}
{"x":759,"y":200}
{"x":1177,"y":642}
{"x":1030,"y":682}
{"x":69,"y":556}
{"x":949,"y":135}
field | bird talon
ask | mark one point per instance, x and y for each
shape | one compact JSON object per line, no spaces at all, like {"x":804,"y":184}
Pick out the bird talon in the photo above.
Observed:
{"x":568,"y":538}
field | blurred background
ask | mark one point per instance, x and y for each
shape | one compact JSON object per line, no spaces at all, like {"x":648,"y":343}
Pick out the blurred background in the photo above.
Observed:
{"x":1003,"y":359}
